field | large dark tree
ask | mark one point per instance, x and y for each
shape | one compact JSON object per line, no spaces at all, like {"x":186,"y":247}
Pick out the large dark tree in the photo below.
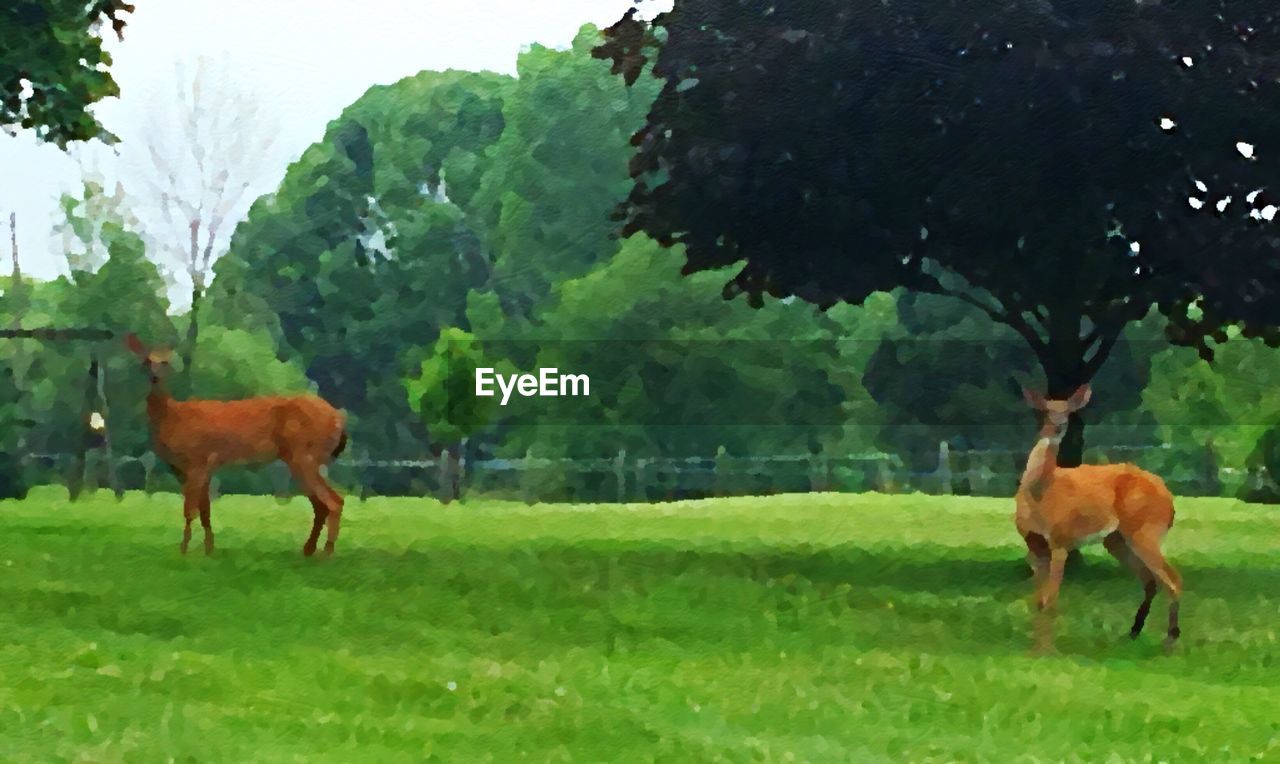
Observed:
{"x":1063,"y":166}
{"x":53,"y":67}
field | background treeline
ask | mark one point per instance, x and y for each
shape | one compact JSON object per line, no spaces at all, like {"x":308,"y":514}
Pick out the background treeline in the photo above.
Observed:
{"x":456,"y":219}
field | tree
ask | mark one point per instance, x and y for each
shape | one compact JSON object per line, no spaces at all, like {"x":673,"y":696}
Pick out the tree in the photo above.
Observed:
{"x":665,"y":359}
{"x":442,"y":394}
{"x":90,"y":221}
{"x":369,"y":246}
{"x":1219,"y":413}
{"x":206,"y":149}
{"x":53,"y":66}
{"x":114,"y":286}
{"x":557,"y":171}
{"x":945,"y":373}
{"x":1061,"y":168}
{"x":238,"y":363}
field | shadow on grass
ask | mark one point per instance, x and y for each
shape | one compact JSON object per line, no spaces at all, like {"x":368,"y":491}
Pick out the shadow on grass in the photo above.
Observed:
{"x":620,"y":594}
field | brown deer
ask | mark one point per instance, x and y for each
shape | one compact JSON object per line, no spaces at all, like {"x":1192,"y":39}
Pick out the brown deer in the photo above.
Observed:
{"x":1059,"y":509}
{"x":196,"y":437}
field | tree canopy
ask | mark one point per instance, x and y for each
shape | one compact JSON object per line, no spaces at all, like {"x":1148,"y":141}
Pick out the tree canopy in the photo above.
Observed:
{"x":53,"y":66}
{"x":1061,"y":167}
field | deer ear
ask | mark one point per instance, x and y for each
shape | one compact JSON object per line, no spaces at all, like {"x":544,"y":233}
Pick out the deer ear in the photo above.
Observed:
{"x":1034,"y":400}
{"x":1080,"y":398}
{"x":135,"y":345}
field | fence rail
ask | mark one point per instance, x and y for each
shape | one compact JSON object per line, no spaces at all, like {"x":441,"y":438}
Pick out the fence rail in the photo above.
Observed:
{"x":621,"y":478}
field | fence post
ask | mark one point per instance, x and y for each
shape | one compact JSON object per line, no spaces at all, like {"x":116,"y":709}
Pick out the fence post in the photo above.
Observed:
{"x":527,"y":478}
{"x":980,"y":474}
{"x":720,"y":472}
{"x":620,"y":474}
{"x":817,"y":471}
{"x":461,"y":477}
{"x":148,"y":460}
{"x":943,"y":473}
{"x":884,"y":477}
{"x":640,"y":484}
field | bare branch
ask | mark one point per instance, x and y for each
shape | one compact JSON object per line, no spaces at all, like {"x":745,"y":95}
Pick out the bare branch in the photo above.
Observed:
{"x":202,"y":181}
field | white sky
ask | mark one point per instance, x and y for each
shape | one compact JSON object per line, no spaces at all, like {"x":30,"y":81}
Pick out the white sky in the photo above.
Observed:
{"x":306,"y":59}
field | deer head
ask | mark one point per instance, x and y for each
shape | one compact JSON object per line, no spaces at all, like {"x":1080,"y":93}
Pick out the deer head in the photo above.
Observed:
{"x":156,"y":361}
{"x":1055,"y":413}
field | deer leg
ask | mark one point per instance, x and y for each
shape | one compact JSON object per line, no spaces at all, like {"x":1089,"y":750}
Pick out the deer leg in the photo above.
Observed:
{"x":1148,"y":551}
{"x":1050,"y":575}
{"x":326,"y":504}
{"x":1037,"y":557}
{"x":191,"y":506}
{"x":334,"y":519}
{"x":1119,"y":549}
{"x":321,"y":512}
{"x":204,"y":520}
{"x":1049,"y":590}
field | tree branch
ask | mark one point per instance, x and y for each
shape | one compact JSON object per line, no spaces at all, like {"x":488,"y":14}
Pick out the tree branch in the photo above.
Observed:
{"x":998,"y":314}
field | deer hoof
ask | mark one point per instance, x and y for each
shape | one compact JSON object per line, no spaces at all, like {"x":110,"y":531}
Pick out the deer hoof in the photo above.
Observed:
{"x":308,"y":550}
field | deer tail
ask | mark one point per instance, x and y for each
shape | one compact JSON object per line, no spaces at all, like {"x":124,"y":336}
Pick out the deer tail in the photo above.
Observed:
{"x":342,"y":444}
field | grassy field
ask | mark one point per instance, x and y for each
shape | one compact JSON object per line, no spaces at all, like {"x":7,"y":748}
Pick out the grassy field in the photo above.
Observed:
{"x":813,"y":628}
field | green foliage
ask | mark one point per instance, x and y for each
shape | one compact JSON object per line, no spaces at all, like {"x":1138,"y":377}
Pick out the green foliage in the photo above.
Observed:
{"x":235,"y":363}
{"x":1013,"y":155}
{"x":1222,"y":412}
{"x":830,"y":628}
{"x":442,"y":393}
{"x":945,"y":372}
{"x":558,"y":170}
{"x":13,"y":428}
{"x":113,"y":286}
{"x":53,"y":66}
{"x":367,"y":249}
{"x":675,"y":369}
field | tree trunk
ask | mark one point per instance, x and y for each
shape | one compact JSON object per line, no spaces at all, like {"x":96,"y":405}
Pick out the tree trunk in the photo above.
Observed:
{"x":193,"y":324}
{"x":1071,"y":450}
{"x":193,"y":336}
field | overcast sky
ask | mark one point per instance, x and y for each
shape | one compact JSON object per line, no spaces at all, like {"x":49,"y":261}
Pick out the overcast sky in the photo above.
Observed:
{"x":308,"y":59}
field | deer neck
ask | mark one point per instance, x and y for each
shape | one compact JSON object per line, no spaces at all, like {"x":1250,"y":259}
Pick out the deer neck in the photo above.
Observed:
{"x":158,"y":402}
{"x":1041,"y":464}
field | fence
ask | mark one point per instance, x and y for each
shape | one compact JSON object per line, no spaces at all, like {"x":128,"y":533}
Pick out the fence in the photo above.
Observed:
{"x":623,"y":478}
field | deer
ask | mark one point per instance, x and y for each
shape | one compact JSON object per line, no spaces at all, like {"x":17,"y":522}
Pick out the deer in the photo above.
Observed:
{"x":1059,"y":509}
{"x":197,"y":437}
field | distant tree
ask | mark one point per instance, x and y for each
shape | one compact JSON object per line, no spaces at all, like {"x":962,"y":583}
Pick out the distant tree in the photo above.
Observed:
{"x":675,"y":372}
{"x":1223,"y":410}
{"x":13,"y":428}
{"x":442,"y":394}
{"x":205,"y":149}
{"x":90,"y":221}
{"x":558,"y":170}
{"x":1060,"y":167}
{"x":53,"y":66}
{"x":237,"y":363}
{"x":946,"y":373}
{"x":369,"y":246}
{"x":113,"y":285}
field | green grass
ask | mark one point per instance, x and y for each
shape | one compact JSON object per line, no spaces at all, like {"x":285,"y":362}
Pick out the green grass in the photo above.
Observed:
{"x":800,"y":628}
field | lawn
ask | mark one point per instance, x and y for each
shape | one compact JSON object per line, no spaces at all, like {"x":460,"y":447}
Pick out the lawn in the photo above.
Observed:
{"x":813,"y":628}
